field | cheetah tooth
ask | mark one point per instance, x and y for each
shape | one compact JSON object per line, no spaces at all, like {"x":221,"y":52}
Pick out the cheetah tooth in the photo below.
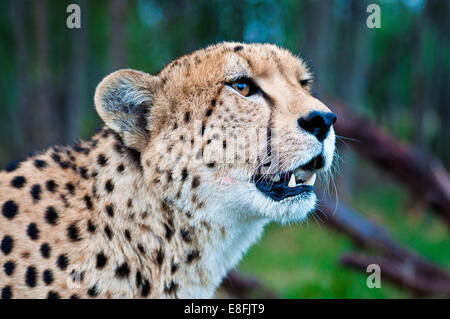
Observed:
{"x":292,"y":182}
{"x":276,"y":178}
{"x":311,"y":180}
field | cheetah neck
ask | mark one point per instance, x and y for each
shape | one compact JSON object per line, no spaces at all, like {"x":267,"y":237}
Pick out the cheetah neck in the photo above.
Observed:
{"x":184,"y":252}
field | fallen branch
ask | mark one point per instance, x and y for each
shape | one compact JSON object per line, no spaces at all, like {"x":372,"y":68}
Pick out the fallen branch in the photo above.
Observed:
{"x":398,"y":264}
{"x":243,"y":287}
{"x":403,"y":274}
{"x":423,"y":175}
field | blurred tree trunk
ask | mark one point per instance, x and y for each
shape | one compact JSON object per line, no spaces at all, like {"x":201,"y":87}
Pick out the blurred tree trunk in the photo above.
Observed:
{"x":17,"y":135}
{"x":439,"y":11}
{"x":43,"y":114}
{"x":420,"y":86}
{"x":77,"y":90}
{"x":117,"y":49}
{"x":319,"y":17}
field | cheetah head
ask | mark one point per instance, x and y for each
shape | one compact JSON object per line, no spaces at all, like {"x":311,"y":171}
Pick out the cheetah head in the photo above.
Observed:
{"x":232,"y":126}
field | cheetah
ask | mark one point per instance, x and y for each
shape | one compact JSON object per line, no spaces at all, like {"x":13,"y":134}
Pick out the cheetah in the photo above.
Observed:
{"x":165,"y":199}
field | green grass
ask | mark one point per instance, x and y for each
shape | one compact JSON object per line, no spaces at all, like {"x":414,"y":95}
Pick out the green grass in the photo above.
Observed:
{"x":302,"y":261}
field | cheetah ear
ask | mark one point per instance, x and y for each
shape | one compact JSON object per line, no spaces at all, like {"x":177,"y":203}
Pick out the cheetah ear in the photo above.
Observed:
{"x":123,"y":100}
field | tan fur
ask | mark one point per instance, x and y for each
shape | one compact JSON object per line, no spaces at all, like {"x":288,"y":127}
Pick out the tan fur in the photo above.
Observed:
{"x":147,"y":175}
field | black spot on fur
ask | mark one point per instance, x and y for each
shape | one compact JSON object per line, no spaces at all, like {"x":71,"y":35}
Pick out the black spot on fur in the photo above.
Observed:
{"x":62,"y":262}
{"x":169,"y":232}
{"x":110,"y":210}
{"x":187,"y":117}
{"x":138,"y":278}
{"x":145,"y":290}
{"x":45,"y":250}
{"x":9,"y":267}
{"x":127,"y":234}
{"x":40,"y":164}
{"x":132,"y":155}
{"x":211,"y":165}
{"x":209,"y":112}
{"x":51,"y":215}
{"x":93,"y":291}
{"x":101,"y":260}
{"x":238,"y":48}
{"x":70,"y":188}
{"x":18,"y":181}
{"x":141,"y":249}
{"x":30,"y":276}
{"x":108,"y":232}
{"x":84,"y":172}
{"x":47,"y":277}
{"x":61,"y":163}
{"x":171,"y":287}
{"x":102,"y":160}
{"x":52,"y":295}
{"x":79,"y":149}
{"x":122,"y":271}
{"x":11,"y":167}
{"x":51,"y":185}
{"x":7,"y":292}
{"x":109,"y":186}
{"x":184,"y":174}
{"x":7,"y":244}
{"x":91,"y":226}
{"x":192,"y":255}
{"x":174,"y":267}
{"x":213,"y":102}
{"x":33,"y":231}
{"x":120,"y":168}
{"x":195,"y":181}
{"x":159,"y":256}
{"x":36,"y":192}
{"x":73,"y":232}
{"x":186,"y":235}
{"x":88,"y":201}
{"x":10,"y":209}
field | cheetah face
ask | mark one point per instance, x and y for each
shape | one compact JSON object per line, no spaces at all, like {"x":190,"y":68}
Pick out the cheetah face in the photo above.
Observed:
{"x":234,"y":124}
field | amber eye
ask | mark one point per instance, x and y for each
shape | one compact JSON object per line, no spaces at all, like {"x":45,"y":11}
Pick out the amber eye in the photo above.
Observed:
{"x":244,"y":86}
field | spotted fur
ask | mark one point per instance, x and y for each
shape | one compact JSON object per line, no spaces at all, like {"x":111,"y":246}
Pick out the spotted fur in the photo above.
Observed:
{"x":135,"y":212}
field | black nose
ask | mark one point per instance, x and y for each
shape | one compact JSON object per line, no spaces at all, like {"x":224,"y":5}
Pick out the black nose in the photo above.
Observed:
{"x":317,"y":123}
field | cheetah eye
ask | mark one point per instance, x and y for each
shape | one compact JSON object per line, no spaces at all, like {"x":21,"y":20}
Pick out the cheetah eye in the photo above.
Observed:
{"x":244,"y":86}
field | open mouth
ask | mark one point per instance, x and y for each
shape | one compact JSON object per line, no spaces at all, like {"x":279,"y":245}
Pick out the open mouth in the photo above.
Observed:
{"x":282,"y":185}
